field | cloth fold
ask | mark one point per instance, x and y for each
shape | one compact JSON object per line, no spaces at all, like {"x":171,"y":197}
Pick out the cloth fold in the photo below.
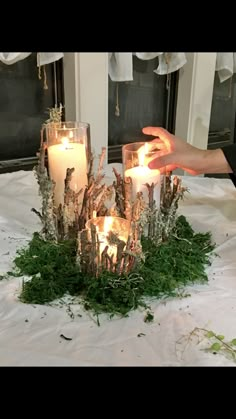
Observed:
{"x":43,"y":58}
{"x":170,"y":62}
{"x":121,"y":64}
{"x":10,"y":58}
{"x":225,"y":65}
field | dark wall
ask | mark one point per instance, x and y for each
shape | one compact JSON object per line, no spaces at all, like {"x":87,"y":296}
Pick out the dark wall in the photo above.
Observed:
{"x":23,"y":107}
{"x":144,"y":101}
{"x":223,"y":111}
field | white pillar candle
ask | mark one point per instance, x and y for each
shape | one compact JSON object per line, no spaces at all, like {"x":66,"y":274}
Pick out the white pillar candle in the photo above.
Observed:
{"x":60,"y":158}
{"x":141,"y":175}
{"x":104,"y":225}
{"x":102,"y":237}
{"x":112,"y":249}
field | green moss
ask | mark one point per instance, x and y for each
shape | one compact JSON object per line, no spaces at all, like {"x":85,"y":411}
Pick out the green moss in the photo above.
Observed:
{"x":167,"y":268}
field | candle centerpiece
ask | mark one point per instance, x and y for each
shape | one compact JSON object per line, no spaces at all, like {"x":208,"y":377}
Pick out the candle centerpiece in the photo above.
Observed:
{"x":93,"y":237}
{"x":77,"y":202}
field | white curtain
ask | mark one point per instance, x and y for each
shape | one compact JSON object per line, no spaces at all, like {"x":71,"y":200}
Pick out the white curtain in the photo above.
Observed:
{"x":42,"y":57}
{"x":12,"y":57}
{"x":225,"y":65}
{"x":121,"y":64}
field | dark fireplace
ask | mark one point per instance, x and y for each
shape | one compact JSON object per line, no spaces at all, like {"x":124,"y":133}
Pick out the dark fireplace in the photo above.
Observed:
{"x":23,"y":109}
{"x":148,"y":100}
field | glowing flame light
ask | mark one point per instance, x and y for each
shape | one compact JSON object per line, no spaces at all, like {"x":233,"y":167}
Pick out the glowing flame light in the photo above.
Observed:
{"x":65,"y":142}
{"x":107,"y":224}
{"x":142,"y":154}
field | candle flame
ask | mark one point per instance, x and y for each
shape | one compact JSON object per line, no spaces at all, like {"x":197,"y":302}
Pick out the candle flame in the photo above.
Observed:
{"x":107,"y":224}
{"x":65,"y":142}
{"x":142,"y":154}
{"x":94,"y":214}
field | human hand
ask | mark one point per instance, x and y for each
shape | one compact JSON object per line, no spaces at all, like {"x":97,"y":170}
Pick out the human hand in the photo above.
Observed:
{"x":173,"y":152}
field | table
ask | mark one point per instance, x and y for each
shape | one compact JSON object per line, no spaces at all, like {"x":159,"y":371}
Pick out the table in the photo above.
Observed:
{"x":30,"y":334}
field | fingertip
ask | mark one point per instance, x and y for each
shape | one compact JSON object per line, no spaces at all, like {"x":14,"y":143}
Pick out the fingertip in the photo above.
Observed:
{"x":155,"y":131}
{"x":146,"y":130}
{"x":151,"y":165}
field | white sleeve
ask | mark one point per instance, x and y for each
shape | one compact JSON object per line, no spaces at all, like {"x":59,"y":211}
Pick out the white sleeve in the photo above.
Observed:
{"x":224,"y":65}
{"x":44,"y":58}
{"x":170,"y":62}
{"x":120,"y":66}
{"x":12,"y":57}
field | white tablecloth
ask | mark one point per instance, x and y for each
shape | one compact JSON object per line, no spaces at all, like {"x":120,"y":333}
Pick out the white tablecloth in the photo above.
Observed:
{"x":30,"y":334}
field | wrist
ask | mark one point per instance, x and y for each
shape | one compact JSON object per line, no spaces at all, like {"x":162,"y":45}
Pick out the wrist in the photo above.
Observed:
{"x":214,"y":161}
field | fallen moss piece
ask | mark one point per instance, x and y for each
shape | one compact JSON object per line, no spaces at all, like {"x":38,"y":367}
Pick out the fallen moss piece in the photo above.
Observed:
{"x":149,"y":317}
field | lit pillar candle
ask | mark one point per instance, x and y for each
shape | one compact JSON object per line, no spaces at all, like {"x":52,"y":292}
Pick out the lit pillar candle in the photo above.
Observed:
{"x":67,"y":150}
{"x":140,"y":173}
{"x":104,"y":225}
{"x":60,"y":158}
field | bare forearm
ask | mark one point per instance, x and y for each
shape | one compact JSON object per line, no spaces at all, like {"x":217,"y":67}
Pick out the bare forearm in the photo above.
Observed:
{"x":198,"y":161}
{"x":213,"y":161}
{"x":174,"y":152}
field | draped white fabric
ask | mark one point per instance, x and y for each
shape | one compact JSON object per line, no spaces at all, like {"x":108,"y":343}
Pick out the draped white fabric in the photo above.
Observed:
{"x":121,"y":64}
{"x":30,"y":333}
{"x":42,"y":57}
{"x":48,"y":57}
{"x":121,"y":67}
{"x":10,"y":58}
{"x":225,"y":65}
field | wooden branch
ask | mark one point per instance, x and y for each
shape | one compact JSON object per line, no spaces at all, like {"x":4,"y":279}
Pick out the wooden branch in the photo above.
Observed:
{"x":137,"y":210}
{"x":128,"y":198}
{"x":93,"y":253}
{"x":119,"y":258}
{"x":100,"y":165}
{"x":41,"y":165}
{"x":84,"y":250}
{"x":89,"y":150}
{"x":109,"y":263}
{"x":82,"y":216}
{"x":151,"y":207}
{"x":68,"y":192}
{"x":37,"y":213}
{"x":119,"y":193}
{"x":166,"y":192}
{"x":60,"y":226}
{"x":90,"y":175}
